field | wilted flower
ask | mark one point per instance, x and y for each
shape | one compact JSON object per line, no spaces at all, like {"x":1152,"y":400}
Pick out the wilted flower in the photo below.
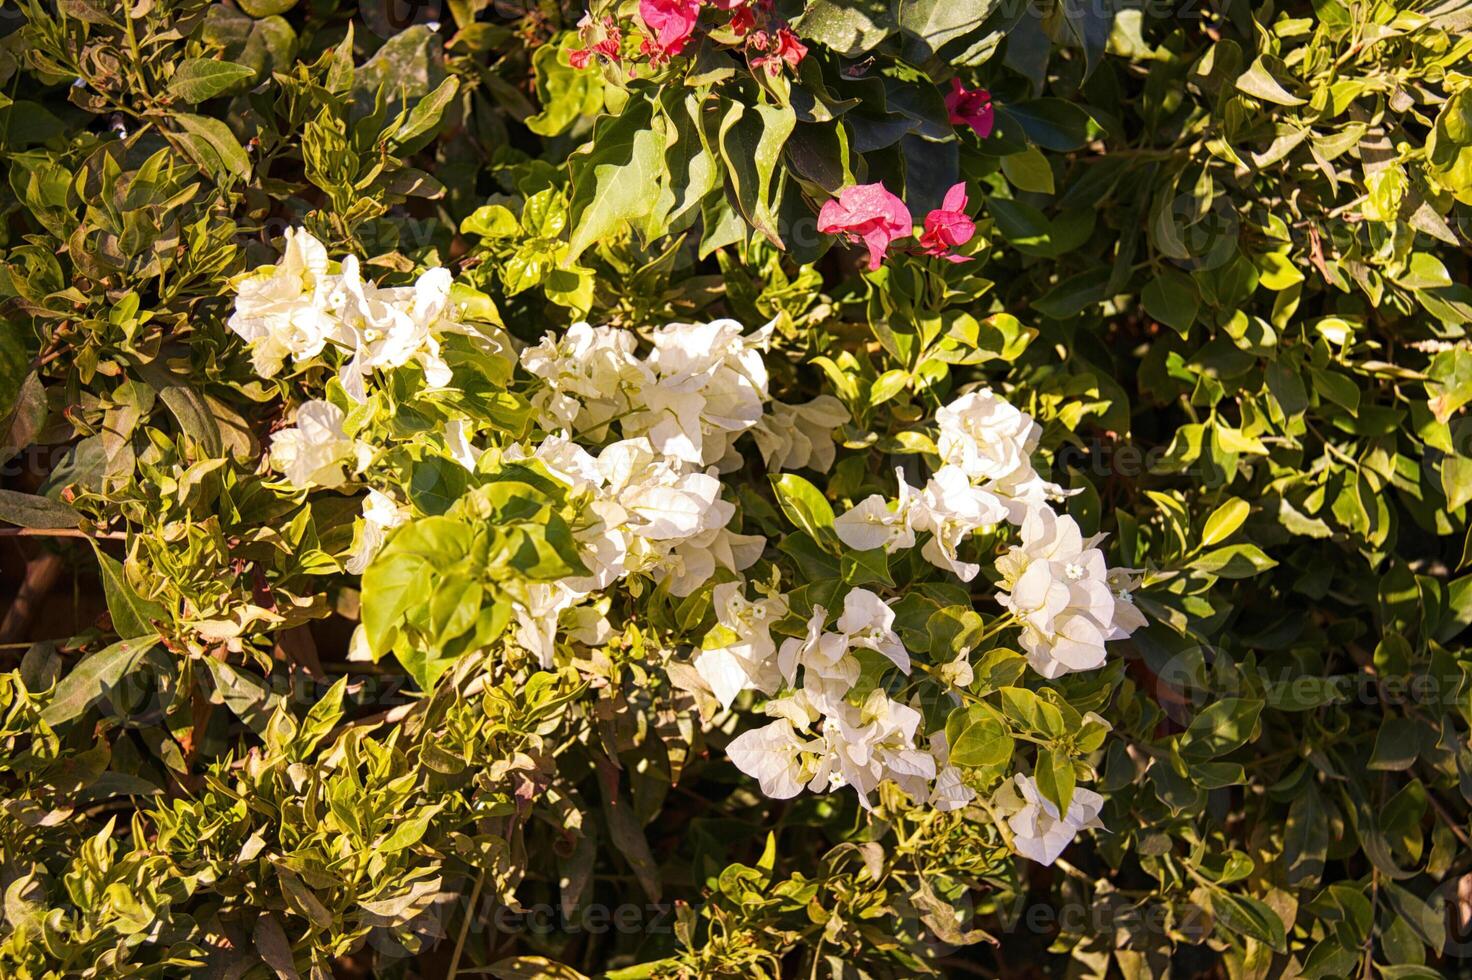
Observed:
{"x":782,"y":48}
{"x":380,"y":515}
{"x":794,"y":437}
{"x":598,"y":37}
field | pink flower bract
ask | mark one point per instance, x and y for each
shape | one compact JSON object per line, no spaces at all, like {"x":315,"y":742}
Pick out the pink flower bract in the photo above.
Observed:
{"x":948,"y":226}
{"x":784,"y":48}
{"x":671,"y":22}
{"x":867,"y":213}
{"x":970,"y":107}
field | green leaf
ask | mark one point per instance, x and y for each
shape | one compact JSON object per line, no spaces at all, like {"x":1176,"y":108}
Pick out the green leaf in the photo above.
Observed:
{"x":131,"y":614}
{"x":614,"y":177}
{"x":751,"y":142}
{"x":93,"y":677}
{"x":1055,"y":777}
{"x":424,"y":118}
{"x":1172,"y":298}
{"x":42,"y":513}
{"x":566,"y":93}
{"x":1234,"y":561}
{"x":932,"y":24}
{"x":1220,"y":728}
{"x":804,"y":505}
{"x":1224,"y":521}
{"x":1249,"y":917}
{"x":194,"y":416}
{"x":199,"y":79}
{"x":1259,"y":83}
{"x":245,"y":694}
{"x":1305,"y":837}
{"x":848,"y":27}
{"x":212,"y":146}
{"x":978,"y":736}
{"x":1029,"y":171}
{"x":1051,"y":123}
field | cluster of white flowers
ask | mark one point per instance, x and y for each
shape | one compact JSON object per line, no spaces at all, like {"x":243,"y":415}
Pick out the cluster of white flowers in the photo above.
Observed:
{"x":821,"y":740}
{"x":1055,"y":582}
{"x":640,"y":441}
{"x":299,"y":306}
{"x":654,"y":497}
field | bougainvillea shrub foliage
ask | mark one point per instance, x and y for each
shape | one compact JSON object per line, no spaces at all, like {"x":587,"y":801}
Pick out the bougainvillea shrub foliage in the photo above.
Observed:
{"x":742,"y":488}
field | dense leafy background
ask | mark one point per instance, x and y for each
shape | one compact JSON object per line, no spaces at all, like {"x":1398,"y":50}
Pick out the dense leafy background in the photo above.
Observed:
{"x":1223,"y":255}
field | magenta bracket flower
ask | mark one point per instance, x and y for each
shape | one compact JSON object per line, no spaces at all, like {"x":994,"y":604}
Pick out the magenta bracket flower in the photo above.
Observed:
{"x":671,"y":22}
{"x":948,"y":226}
{"x":970,"y":107}
{"x":867,"y":213}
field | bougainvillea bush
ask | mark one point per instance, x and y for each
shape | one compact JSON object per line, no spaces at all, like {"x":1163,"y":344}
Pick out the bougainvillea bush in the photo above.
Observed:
{"x":743,"y":488}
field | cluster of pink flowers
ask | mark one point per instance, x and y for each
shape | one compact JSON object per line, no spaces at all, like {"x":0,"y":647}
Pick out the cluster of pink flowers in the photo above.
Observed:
{"x":670,"y":24}
{"x":599,"y":37}
{"x":870,"y":214}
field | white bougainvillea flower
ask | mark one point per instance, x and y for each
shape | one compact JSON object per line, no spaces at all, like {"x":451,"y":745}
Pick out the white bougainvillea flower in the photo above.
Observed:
{"x":315,"y":451}
{"x":951,"y":508}
{"x":773,"y":756}
{"x":457,"y":444}
{"x":867,"y":745}
{"x":285,"y":312}
{"x":829,"y":669}
{"x":1057,"y":585}
{"x":948,"y":792}
{"x":1038,"y":832}
{"x":1025,"y":491}
{"x":1127,"y":617}
{"x":692,"y":562}
{"x":591,"y":376}
{"x":878,"y":523}
{"x":675,"y":506}
{"x":747,"y":660}
{"x":553,"y":610}
{"x":710,"y":384}
{"x":985,"y":436}
{"x":795,"y":437}
{"x":388,"y":328}
{"x":380,"y":515}
{"x":867,"y":621}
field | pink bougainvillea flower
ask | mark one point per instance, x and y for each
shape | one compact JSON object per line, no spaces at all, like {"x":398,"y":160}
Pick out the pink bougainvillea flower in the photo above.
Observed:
{"x":866,"y":213}
{"x":603,"y":39}
{"x":784,"y":48}
{"x":743,"y":20}
{"x":947,"y":226}
{"x":671,"y":22}
{"x":970,"y":107}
